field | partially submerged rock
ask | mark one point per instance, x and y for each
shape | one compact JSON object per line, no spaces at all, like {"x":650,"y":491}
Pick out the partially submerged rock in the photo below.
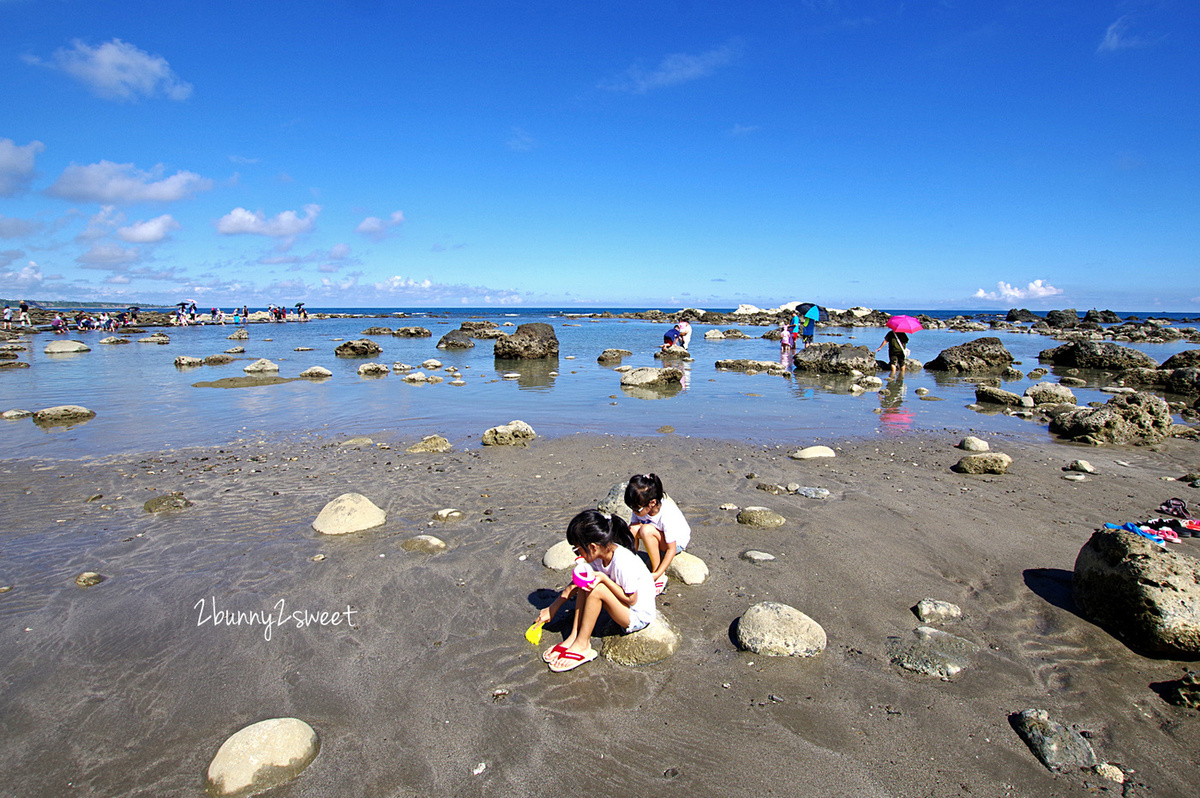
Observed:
{"x":981,"y":355}
{"x":649,"y":377}
{"x":430,"y":444}
{"x":514,"y":433}
{"x":1097,"y":355}
{"x":613,"y":355}
{"x":66,"y":347}
{"x":175,"y":500}
{"x":425,"y":544}
{"x":1137,"y":418}
{"x":456,"y":339}
{"x":831,"y":358}
{"x":61,"y":415}
{"x":531,"y":341}
{"x":261,"y":366}
{"x":360,"y":348}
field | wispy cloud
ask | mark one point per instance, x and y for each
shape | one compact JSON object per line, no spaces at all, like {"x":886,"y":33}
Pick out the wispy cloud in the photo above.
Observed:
{"x":673,"y":70}
{"x":1119,"y":37}
{"x":117,"y":70}
{"x":121,"y":184}
{"x":1006,"y":292}
{"x":521,"y":141}
{"x":11,"y":227}
{"x":16,"y":165}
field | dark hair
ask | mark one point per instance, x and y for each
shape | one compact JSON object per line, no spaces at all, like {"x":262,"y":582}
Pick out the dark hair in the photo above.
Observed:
{"x":603,"y":529}
{"x":643,"y":489}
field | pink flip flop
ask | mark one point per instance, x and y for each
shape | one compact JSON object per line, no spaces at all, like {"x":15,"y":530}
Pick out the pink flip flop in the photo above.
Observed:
{"x":551,"y":654}
{"x":569,"y":660}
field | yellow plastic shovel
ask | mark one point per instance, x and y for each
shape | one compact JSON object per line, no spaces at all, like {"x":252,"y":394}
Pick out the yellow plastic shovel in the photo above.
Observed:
{"x":534,"y":633}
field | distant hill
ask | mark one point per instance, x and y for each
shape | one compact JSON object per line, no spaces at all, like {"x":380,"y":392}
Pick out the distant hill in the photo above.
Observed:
{"x":60,"y":303}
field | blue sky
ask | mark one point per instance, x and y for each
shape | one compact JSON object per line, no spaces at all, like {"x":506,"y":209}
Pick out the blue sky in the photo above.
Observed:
{"x":642,"y":154}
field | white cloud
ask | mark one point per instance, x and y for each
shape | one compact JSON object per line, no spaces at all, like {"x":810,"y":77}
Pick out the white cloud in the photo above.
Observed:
{"x":149,"y":232}
{"x":1038,"y":289}
{"x":16,"y":165}
{"x":121,"y":184}
{"x":287,"y":224}
{"x":11,"y":227}
{"x":118,"y":70}
{"x":674,"y":69}
{"x":7,"y":256}
{"x":109,"y":256}
{"x":428,"y":291}
{"x":376,"y":229}
{"x":29,"y":276}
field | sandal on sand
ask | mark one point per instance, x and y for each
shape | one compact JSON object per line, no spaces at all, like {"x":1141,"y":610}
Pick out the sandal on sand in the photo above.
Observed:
{"x":569,"y":660}
{"x":551,"y":654}
{"x":660,"y":585}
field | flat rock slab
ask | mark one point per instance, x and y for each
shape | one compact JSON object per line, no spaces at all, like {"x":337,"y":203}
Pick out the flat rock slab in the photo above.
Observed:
{"x":316,"y":372}
{"x":760,"y":517}
{"x":655,"y":643}
{"x":756,"y":557}
{"x":1056,"y":746}
{"x":261,"y":756}
{"x":249,"y":381}
{"x":350,"y":512}
{"x":62,"y":415}
{"x":932,"y":652}
{"x":66,"y":347}
{"x":777,"y":630}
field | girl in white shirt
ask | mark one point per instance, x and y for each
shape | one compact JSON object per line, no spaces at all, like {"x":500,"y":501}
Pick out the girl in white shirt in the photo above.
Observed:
{"x":622,"y":587}
{"x":658,"y":523}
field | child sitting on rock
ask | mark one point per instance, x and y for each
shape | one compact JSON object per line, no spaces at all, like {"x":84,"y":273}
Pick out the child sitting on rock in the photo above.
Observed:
{"x":620,"y":584}
{"x":658,"y":523}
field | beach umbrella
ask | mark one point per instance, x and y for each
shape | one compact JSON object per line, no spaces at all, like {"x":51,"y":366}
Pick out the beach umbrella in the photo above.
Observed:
{"x":299,"y":304}
{"x":810,"y":311}
{"x":904,"y":324}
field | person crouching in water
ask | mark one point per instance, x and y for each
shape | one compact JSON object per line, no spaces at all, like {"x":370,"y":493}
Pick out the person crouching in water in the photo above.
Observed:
{"x":620,"y":584}
{"x":658,"y":523}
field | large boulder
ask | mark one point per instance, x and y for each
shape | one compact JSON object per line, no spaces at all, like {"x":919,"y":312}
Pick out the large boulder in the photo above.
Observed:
{"x":1138,"y":418}
{"x":1022,"y":315}
{"x":412,"y":332}
{"x":261,"y":756}
{"x":66,"y":347}
{"x":530,"y":341}
{"x":982,"y":354}
{"x":456,"y":339}
{"x":1148,"y":597}
{"x":1063,"y":319}
{"x":1183,"y":381}
{"x":1102,"y":317}
{"x":1097,"y":355}
{"x":1187,"y":359}
{"x":831,"y":358}
{"x":360,"y":348}
{"x":772,"y":367}
{"x":777,"y":630}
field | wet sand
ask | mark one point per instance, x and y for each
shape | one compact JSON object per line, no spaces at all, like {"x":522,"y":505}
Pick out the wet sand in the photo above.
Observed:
{"x":123,"y":689}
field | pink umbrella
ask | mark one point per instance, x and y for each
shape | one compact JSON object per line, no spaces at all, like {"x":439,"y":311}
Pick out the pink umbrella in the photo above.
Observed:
{"x":904,"y":324}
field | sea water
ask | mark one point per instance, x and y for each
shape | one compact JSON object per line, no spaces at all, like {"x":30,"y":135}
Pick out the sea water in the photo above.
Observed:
{"x":143,"y":402}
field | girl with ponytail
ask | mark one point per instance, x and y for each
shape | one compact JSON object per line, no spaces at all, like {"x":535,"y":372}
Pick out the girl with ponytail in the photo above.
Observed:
{"x":622,"y":586}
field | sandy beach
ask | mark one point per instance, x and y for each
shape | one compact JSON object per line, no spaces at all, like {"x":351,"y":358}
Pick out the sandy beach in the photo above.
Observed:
{"x":124,"y":688}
